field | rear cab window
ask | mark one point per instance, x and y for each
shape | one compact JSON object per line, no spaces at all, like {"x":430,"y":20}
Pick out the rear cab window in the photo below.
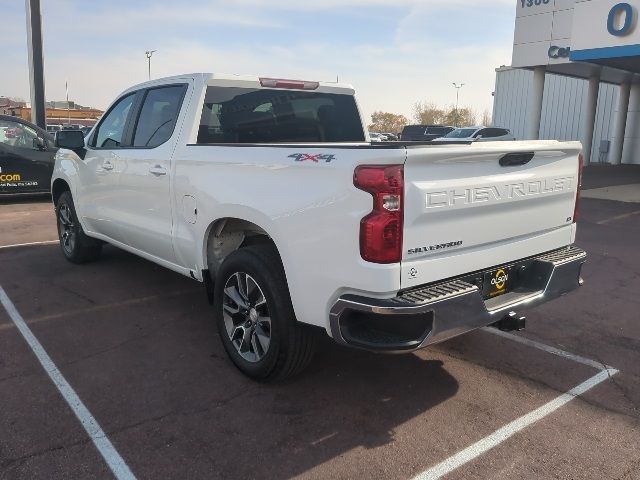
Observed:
{"x":233,"y":115}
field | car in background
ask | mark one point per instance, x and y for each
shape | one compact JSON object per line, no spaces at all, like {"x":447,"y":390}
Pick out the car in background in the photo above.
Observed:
{"x":389,"y":137}
{"x":54,"y":128}
{"x":26,"y":157}
{"x":72,"y":126}
{"x":85,"y":130}
{"x":377,"y":137}
{"x":424,"y":133}
{"x":477,"y":134}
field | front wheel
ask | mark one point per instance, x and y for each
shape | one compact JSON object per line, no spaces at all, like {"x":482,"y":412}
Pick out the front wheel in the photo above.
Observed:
{"x":255,"y":318}
{"x":76,"y":246}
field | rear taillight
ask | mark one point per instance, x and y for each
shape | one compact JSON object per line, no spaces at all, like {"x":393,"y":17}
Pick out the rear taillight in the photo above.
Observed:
{"x":576,"y":210}
{"x":291,"y":84}
{"x":381,"y":230}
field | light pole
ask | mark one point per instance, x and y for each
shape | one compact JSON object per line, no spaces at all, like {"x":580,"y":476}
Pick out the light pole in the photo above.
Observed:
{"x":149,"y":54}
{"x":66,"y":87}
{"x":457,"y":86}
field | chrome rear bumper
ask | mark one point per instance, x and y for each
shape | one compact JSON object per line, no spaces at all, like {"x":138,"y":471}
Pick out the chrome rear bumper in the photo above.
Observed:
{"x":436,"y":312}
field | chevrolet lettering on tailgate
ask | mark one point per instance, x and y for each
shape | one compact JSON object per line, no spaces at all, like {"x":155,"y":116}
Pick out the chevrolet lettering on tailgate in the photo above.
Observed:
{"x":496,"y":193}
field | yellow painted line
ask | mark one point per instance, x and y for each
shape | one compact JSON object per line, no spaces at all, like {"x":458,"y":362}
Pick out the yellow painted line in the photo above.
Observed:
{"x":618,"y":217}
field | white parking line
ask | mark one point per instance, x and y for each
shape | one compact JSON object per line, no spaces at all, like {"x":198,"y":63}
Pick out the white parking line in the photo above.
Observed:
{"x":113,"y":459}
{"x":29,"y":244}
{"x":499,"y":436}
{"x":548,"y":348}
{"x":496,"y":438}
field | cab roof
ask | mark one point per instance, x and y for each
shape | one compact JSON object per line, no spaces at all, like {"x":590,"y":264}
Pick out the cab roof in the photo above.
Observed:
{"x":250,"y":81}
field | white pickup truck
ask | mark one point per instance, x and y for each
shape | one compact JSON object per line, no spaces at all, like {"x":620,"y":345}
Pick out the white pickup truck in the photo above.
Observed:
{"x":270,"y":192}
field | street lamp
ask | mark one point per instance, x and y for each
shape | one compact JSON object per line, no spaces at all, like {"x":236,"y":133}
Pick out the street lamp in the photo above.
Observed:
{"x":457,"y":86}
{"x":149,"y":54}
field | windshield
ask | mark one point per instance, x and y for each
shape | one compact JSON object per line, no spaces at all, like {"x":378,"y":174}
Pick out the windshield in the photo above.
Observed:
{"x":461,"y":133}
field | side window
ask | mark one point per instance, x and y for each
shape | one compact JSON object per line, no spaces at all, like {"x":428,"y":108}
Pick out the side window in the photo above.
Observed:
{"x":110,"y":132}
{"x":495,"y":132}
{"x":19,"y":135}
{"x":158,"y":116}
{"x":482,"y":133}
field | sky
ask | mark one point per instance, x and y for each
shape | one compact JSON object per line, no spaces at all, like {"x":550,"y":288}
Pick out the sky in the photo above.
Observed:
{"x":394,"y":52}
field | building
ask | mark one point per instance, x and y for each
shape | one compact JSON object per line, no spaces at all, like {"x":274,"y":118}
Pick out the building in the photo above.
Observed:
{"x":574,"y":76}
{"x":9,"y":106}
{"x":86,"y":117}
{"x":56,"y":112}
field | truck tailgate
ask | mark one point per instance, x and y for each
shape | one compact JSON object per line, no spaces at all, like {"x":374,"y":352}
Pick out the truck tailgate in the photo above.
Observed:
{"x":465,"y":210}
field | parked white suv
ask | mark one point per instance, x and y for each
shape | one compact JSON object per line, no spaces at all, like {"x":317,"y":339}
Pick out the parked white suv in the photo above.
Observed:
{"x":267,"y":191}
{"x":477,"y":134}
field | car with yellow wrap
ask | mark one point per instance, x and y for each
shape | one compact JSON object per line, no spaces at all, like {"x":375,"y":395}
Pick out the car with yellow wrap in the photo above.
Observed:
{"x":26,"y":157}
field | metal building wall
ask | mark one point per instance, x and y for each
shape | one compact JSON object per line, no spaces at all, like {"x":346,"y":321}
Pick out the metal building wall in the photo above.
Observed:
{"x":511,"y":98}
{"x":564,"y":98}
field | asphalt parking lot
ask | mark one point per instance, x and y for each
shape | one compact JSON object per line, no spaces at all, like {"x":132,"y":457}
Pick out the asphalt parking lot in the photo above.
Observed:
{"x":138,"y":346}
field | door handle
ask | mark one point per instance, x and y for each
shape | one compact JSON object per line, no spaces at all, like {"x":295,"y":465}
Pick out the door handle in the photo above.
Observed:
{"x":107,"y":165}
{"x":514,"y":159}
{"x":158,"y":170}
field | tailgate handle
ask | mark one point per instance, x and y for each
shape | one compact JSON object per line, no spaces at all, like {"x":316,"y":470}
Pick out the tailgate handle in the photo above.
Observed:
{"x":515,"y":159}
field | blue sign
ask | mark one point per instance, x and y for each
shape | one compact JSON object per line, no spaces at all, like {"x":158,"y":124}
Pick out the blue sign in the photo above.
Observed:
{"x":620,"y":9}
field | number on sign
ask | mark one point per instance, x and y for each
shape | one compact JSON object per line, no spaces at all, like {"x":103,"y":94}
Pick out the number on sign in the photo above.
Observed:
{"x":534,"y":3}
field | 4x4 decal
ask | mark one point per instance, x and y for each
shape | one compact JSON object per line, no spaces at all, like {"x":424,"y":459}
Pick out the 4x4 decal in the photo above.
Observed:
{"x":302,"y":157}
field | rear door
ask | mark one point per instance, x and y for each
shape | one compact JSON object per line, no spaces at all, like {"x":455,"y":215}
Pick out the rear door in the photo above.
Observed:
{"x":144,"y":182}
{"x":466,"y":210}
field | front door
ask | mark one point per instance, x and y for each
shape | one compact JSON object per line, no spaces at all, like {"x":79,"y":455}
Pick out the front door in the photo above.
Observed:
{"x":99,"y":201}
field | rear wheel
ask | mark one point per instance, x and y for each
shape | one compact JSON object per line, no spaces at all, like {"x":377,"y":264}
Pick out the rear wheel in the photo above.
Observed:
{"x":255,"y":317}
{"x":76,"y":246}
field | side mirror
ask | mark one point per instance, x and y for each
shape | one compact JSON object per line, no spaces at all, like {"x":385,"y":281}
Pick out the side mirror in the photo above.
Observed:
{"x":70,"y":139}
{"x":38,"y":144}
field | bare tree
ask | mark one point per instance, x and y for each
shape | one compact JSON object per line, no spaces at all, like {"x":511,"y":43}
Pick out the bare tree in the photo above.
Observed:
{"x":461,"y":116}
{"x":428,"y":113}
{"x":486,"y":118}
{"x":385,"y":122}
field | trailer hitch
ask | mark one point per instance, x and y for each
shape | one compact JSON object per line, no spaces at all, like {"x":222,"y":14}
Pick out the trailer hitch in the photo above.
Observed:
{"x":512,"y":322}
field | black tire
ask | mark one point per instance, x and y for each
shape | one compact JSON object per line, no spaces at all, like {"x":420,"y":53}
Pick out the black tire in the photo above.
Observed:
{"x":76,"y":246}
{"x":291,"y":344}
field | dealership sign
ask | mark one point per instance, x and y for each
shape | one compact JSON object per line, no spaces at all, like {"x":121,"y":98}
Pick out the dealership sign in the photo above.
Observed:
{"x":559,"y":52}
{"x":621,"y":19}
{"x":613,"y":30}
{"x":560,"y":31}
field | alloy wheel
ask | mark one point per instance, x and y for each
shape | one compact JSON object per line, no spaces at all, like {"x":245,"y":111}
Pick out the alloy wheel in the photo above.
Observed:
{"x":67,"y":228}
{"x":246,"y":317}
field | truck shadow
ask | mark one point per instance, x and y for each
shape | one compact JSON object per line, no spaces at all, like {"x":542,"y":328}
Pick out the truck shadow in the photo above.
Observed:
{"x":346,"y":400}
